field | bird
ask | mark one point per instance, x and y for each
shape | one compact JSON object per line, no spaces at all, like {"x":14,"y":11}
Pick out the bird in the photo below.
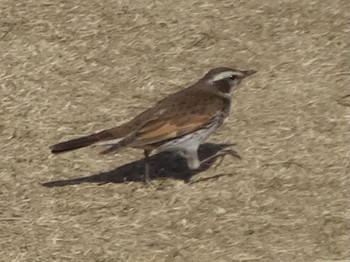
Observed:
{"x":180,"y":122}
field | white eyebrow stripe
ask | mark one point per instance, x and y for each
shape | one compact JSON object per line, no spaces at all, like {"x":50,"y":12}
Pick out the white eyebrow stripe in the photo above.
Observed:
{"x":224,"y":75}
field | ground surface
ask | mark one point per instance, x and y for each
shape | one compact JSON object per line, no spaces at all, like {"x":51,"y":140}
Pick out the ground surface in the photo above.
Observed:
{"x":73,"y":67}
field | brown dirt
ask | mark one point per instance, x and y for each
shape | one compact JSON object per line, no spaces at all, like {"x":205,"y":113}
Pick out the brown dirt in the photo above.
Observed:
{"x":73,"y":67}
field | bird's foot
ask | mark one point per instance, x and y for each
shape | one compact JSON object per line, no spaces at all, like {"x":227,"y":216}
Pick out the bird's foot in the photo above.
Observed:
{"x":148,"y":183}
{"x":221,"y":154}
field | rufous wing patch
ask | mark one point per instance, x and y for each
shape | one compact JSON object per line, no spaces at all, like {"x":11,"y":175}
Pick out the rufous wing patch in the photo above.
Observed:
{"x":168,"y":128}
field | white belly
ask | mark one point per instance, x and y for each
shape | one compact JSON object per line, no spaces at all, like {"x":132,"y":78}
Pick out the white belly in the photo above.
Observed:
{"x":189,"y":142}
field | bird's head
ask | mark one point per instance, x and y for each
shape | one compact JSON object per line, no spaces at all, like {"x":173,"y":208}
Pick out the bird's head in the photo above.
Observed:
{"x":225,"y":79}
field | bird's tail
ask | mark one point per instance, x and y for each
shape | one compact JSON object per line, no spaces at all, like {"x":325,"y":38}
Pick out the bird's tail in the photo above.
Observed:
{"x":80,"y":142}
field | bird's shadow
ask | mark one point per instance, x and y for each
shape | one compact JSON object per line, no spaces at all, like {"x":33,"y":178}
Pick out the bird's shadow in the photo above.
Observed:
{"x":162,"y":165}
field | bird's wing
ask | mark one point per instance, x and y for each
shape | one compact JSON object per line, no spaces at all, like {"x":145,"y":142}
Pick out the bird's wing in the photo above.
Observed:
{"x":172,"y":123}
{"x":176,"y":115}
{"x":183,"y":117}
{"x":162,"y":129}
{"x":169,"y":127}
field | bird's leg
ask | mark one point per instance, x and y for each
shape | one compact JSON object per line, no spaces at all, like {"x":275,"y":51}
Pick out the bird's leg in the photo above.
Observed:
{"x":222,"y":154}
{"x":146,"y":176}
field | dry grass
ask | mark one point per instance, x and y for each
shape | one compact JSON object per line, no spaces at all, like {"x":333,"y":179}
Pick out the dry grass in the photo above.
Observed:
{"x":72,"y":67}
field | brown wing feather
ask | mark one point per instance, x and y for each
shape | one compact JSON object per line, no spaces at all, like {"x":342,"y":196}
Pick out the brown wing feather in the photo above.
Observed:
{"x":184,"y":116}
{"x":169,"y":127}
{"x":169,"y":119}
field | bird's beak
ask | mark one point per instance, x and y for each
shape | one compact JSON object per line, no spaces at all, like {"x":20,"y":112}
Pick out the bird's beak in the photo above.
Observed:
{"x":248,"y":73}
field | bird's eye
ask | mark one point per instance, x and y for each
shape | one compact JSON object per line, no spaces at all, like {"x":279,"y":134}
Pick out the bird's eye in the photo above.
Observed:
{"x":232,"y":77}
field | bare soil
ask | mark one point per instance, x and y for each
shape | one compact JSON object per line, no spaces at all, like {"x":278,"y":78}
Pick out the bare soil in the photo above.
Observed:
{"x":74,"y":67}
